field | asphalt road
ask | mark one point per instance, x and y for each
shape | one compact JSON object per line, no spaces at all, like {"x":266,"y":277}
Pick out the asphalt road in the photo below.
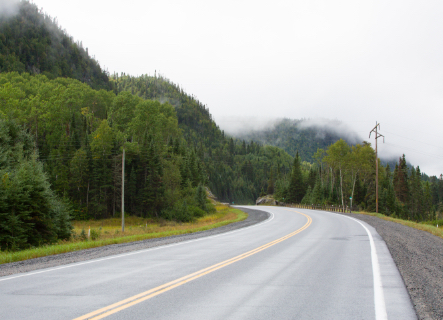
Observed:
{"x":298,"y":264}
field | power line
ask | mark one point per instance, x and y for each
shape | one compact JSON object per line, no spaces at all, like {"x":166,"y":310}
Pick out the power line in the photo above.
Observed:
{"x":432,"y":145}
{"x":377,"y":135}
{"x":416,"y":151}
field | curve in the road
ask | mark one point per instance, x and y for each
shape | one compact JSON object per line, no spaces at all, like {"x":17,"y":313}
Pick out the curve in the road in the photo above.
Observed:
{"x":129,"y":302}
{"x":324,"y":272}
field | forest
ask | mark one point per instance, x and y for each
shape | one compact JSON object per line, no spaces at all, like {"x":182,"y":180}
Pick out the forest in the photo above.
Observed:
{"x":33,"y":42}
{"x":341,"y":172}
{"x":238,"y":170}
{"x":75,"y":136}
{"x":302,"y":136}
{"x":65,"y":123}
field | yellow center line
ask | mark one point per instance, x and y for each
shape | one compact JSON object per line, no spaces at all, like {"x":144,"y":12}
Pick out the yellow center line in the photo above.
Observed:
{"x":126,"y":303}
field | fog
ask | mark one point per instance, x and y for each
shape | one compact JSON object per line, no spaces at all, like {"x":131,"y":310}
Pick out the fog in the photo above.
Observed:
{"x":354,"y":61}
{"x":8,"y":7}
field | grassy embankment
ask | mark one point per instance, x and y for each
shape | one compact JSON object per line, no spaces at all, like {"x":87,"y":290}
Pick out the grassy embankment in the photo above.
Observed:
{"x":108,"y":231}
{"x":428,"y":226}
{"x":424,"y":226}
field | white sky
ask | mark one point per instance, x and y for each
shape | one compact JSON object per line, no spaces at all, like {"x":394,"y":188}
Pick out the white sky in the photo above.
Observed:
{"x":249,"y":61}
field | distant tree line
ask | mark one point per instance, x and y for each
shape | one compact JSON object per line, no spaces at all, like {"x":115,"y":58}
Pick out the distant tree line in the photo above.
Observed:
{"x":342,"y":172}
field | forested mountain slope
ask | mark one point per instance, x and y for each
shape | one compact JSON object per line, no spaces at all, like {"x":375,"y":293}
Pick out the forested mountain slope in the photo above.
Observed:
{"x":301,"y":135}
{"x":31,"y":41}
{"x":238,"y":170}
{"x":79,"y":133}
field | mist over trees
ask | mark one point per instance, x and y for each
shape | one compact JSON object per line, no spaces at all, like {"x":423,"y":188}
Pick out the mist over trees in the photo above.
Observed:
{"x":64,"y":124}
{"x":303,"y":136}
{"x":237,"y":170}
{"x":33,"y":42}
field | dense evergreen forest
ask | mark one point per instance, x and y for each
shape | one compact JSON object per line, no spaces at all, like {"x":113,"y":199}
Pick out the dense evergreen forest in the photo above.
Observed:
{"x":238,"y":170}
{"x":32,"y":42}
{"x":64,"y":124}
{"x":78,"y":136}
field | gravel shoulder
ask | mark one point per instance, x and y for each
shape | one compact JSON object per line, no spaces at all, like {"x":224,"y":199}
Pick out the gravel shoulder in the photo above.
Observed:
{"x":417,"y":254}
{"x":419,"y":258}
{"x":6,"y":269}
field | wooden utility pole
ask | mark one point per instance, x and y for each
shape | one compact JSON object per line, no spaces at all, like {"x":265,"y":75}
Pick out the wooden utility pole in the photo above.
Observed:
{"x":123,"y":190}
{"x":377,"y":135}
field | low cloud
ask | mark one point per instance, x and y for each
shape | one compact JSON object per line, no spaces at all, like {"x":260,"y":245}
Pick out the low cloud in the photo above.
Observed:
{"x":238,"y":125}
{"x":336,"y":127}
{"x":9,"y":7}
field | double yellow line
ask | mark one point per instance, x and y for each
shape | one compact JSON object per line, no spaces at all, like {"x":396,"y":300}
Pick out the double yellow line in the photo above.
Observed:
{"x":129,"y":302}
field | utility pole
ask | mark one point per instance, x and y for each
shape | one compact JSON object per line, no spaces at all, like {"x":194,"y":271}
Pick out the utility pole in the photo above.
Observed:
{"x":377,"y":135}
{"x":123,"y":190}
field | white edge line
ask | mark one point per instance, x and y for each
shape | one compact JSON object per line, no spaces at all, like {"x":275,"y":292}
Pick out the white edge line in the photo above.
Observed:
{"x":379,"y":298}
{"x":271,"y":217}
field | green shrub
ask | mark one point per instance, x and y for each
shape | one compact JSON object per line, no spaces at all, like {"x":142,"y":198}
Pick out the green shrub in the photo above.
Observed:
{"x":179,"y":212}
{"x":83,"y":235}
{"x":196,"y":212}
{"x":95,"y":234}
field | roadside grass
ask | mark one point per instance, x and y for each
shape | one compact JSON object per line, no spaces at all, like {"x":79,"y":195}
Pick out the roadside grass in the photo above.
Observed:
{"x":424,"y":226}
{"x":108,"y":231}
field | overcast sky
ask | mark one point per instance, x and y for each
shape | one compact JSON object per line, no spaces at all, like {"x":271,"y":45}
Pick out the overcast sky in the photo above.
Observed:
{"x":250,"y":61}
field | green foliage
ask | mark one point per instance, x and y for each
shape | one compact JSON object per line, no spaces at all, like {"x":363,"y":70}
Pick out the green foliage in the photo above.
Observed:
{"x":81,"y":148}
{"x":83,"y":236}
{"x":30,"y":214}
{"x":296,"y":190}
{"x":33,"y":42}
{"x":200,"y":197}
{"x":95,"y":234}
{"x":234,"y":170}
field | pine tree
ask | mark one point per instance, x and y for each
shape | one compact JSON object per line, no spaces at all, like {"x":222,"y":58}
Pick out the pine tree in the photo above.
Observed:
{"x":296,"y":187}
{"x":401,"y":181}
{"x":200,"y":197}
{"x":271,"y":183}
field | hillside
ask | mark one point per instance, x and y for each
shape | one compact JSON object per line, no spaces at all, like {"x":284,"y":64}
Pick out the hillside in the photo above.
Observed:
{"x":33,"y":42}
{"x":304,"y":136}
{"x":238,"y":170}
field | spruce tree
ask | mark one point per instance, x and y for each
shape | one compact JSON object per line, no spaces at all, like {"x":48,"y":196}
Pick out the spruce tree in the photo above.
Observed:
{"x":296,"y":187}
{"x":271,"y":183}
{"x":200,"y":197}
{"x":401,"y":181}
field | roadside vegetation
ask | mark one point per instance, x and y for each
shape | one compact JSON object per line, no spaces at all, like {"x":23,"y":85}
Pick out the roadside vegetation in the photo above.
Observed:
{"x":428,"y":226}
{"x":97,"y":233}
{"x":343,"y":172}
{"x":65,"y":124}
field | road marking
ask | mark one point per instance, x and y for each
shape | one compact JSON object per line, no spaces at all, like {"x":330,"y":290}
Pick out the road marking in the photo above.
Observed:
{"x":379,"y":298}
{"x":126,"y":303}
{"x":271,"y":217}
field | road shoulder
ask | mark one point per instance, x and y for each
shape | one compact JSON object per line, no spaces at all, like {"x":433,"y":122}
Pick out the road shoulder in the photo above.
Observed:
{"x":419,"y":259}
{"x":6,"y":269}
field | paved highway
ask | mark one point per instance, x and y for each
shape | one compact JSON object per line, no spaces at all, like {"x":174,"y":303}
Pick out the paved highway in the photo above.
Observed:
{"x":298,"y":264}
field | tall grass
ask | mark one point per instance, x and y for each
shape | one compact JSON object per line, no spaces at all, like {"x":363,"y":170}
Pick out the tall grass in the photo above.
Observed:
{"x":136,"y":229}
